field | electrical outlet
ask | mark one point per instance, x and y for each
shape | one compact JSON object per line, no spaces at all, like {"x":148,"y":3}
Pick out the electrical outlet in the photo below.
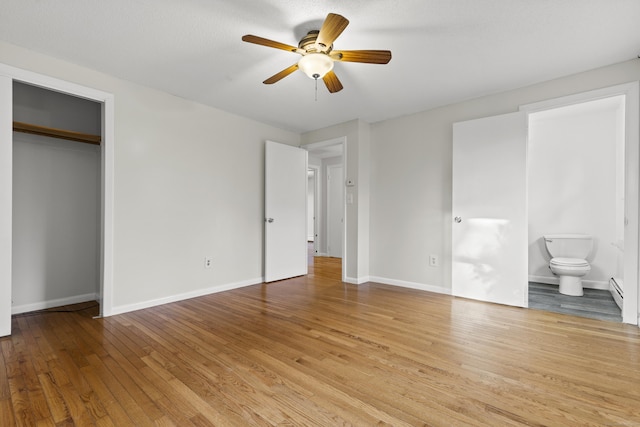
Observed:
{"x":434,"y":261}
{"x":208,"y":261}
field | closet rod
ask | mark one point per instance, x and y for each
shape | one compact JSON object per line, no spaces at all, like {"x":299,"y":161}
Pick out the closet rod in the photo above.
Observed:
{"x":57,"y":133}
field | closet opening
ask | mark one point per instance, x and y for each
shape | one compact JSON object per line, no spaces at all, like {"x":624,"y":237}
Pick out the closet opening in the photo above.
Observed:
{"x":56,"y":200}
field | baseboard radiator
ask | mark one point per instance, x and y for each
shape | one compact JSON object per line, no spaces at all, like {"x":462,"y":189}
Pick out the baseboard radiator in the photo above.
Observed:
{"x":615,"y":287}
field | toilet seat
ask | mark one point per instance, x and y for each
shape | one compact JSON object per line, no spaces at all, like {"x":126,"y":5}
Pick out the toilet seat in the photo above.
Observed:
{"x":569,"y":262}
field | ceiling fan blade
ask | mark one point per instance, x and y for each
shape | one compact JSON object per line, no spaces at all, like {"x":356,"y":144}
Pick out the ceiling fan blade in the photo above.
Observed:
{"x":333,"y":83}
{"x":269,"y":43}
{"x":281,"y":75}
{"x":366,"y":56}
{"x":331,"y":28}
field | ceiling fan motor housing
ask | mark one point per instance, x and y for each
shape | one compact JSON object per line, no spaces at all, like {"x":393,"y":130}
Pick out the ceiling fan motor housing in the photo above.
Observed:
{"x":308,"y":43}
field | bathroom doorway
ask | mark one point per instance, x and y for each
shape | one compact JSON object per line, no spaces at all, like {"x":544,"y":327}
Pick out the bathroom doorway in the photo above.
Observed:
{"x":488,"y":245}
{"x":579,"y":163}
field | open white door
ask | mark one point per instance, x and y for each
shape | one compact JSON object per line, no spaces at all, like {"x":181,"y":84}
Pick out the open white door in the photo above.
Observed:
{"x":489,"y":247}
{"x":285,"y":212}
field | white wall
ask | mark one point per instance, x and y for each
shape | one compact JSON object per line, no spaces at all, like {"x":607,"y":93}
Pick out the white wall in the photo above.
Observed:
{"x":324,"y":201}
{"x":411,"y":200}
{"x":314,"y":161}
{"x":411,"y":177}
{"x":56,"y":189}
{"x":572,"y":183}
{"x":189,"y":183}
{"x":311,"y":196}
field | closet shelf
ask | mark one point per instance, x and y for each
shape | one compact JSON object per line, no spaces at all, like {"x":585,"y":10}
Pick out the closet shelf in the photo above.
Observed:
{"x":57,"y":133}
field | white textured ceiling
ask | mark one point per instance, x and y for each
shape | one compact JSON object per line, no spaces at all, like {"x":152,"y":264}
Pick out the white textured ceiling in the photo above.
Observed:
{"x":444,"y":51}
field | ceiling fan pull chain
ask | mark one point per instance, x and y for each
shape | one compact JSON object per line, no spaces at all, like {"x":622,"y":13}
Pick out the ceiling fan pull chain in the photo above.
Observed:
{"x":316,"y":79}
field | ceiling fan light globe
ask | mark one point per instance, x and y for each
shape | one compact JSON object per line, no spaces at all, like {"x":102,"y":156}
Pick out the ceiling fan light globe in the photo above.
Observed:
{"x":315,"y":65}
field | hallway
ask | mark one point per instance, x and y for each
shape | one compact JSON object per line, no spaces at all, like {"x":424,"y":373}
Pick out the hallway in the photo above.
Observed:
{"x":324,"y":267}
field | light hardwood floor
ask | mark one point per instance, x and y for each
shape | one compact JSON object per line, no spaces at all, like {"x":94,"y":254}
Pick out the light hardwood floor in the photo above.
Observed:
{"x":315,"y":351}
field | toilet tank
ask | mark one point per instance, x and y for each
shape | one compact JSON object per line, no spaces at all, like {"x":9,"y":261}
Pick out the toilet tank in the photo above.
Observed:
{"x":568,"y":245}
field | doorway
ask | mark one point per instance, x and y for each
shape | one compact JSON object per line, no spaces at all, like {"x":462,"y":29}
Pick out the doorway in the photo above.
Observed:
{"x":485,"y":279}
{"x":624,"y":101}
{"x":576,"y":186}
{"x":56,"y":199}
{"x":327,"y":159}
{"x":8,"y":75}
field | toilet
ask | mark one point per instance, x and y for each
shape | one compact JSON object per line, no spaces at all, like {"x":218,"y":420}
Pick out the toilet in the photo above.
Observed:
{"x":568,"y":260}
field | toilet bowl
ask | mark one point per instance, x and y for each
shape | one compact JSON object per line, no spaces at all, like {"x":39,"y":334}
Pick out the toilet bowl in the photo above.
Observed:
{"x":568,"y":260}
{"x":570,"y":272}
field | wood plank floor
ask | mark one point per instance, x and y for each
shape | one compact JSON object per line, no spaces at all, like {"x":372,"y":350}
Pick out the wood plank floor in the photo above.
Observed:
{"x":315,"y":351}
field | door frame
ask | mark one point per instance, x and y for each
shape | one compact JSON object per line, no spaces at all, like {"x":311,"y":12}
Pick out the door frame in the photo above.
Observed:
{"x":107,"y":179}
{"x":631,"y":91}
{"x":345,"y":224}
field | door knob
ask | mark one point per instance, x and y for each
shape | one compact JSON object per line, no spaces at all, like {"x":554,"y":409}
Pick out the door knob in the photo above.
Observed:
{"x":269,"y":220}
{"x":458,"y":219}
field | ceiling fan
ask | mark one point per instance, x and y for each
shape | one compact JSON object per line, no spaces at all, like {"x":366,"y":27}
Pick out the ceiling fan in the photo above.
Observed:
{"x":318,"y":55}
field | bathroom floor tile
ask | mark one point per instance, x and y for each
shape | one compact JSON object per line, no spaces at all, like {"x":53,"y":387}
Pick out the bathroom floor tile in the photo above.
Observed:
{"x":595,"y":304}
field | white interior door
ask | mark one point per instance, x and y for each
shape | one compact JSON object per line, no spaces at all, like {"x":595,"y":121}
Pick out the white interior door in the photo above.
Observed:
{"x":489,"y":253}
{"x":335,"y":210}
{"x":285,"y":212}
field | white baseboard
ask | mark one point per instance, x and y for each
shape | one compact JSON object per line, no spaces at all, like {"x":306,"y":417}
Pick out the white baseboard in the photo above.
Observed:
{"x":43,"y":305}
{"x":357,"y":281}
{"x":588,"y":284}
{"x":180,"y":297}
{"x":412,"y":285}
